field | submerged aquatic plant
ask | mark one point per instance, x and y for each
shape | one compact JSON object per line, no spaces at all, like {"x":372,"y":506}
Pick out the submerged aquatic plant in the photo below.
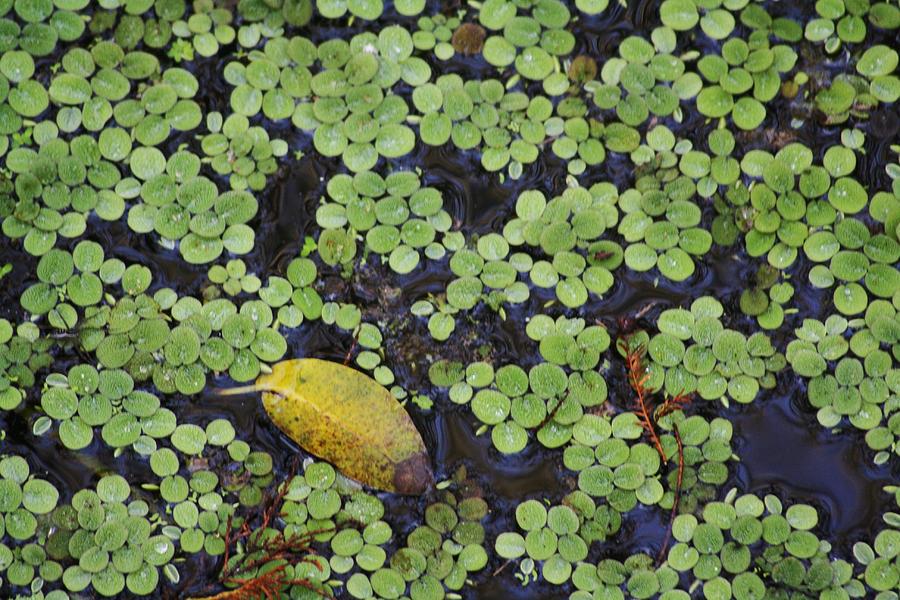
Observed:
{"x":257,"y":560}
{"x":649,"y":417}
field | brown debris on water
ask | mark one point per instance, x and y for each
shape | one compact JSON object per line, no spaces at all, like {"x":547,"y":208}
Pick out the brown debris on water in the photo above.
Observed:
{"x":767,"y":136}
{"x":582,"y":70}
{"x":468,"y":39}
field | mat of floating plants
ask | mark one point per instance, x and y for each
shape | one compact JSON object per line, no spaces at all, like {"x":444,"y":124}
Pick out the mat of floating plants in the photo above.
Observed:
{"x":472,"y":299}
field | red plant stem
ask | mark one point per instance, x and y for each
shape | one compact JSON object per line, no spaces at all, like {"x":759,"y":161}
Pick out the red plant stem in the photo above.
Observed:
{"x":637,"y":378}
{"x":292,"y":550}
{"x":680,"y":480}
{"x":244,"y":532}
{"x":279,"y":548}
{"x":268,"y":586}
{"x":671,"y":404}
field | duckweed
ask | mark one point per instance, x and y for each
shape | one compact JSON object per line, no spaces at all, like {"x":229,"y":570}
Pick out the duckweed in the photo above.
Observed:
{"x":650,"y":158}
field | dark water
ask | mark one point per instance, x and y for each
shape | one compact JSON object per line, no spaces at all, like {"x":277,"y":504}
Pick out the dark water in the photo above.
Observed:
{"x":783,"y":449}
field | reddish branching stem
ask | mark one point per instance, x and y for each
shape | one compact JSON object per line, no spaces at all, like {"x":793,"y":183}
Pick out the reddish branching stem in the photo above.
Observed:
{"x":268,"y":586}
{"x":671,"y":404}
{"x":677,"y":499}
{"x":271,"y":511}
{"x":293,"y":549}
{"x":263,"y":545}
{"x":637,"y":378}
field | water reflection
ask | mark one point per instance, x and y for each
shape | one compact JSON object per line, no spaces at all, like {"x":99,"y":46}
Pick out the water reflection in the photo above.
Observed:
{"x":783,"y":452}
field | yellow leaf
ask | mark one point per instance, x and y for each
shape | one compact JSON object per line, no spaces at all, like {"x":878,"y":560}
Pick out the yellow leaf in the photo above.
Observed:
{"x":349,"y":419}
